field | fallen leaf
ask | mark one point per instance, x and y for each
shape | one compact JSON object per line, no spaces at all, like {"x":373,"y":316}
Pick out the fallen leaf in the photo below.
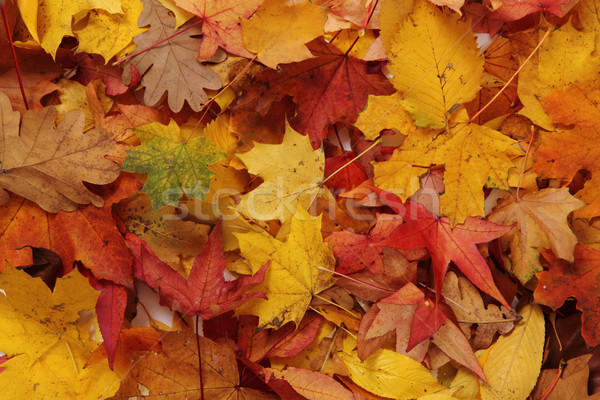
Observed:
{"x":312,"y":384}
{"x":293,"y":277}
{"x":205,"y":293}
{"x":50,"y":172}
{"x":175,"y":165}
{"x":572,"y":384}
{"x":578,"y":280}
{"x":170,"y":67}
{"x":347,"y":79}
{"x":291,"y":172}
{"x":512,"y":10}
{"x":278,"y":31}
{"x":513,"y":363}
{"x":431,"y":69}
{"x":221,"y":24}
{"x":387,"y":373}
{"x":541,"y":222}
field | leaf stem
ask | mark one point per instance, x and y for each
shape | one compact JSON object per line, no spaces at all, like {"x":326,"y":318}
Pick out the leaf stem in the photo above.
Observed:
{"x":157,"y":43}
{"x":548,"y":32}
{"x":199,"y":359}
{"x":337,"y":305}
{"x":14,"y":55}
{"x":523,"y":166}
{"x":561,"y":368}
{"x":356,"y":280}
{"x":375,"y":143}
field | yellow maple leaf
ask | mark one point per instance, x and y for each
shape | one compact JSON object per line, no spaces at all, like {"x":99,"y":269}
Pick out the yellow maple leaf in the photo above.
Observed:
{"x":291,"y":172}
{"x":108,"y":34}
{"x":277,"y":32}
{"x":293,"y":276}
{"x":39,"y":330}
{"x":436,"y":64}
{"x":474,"y":156}
{"x":49,"y":21}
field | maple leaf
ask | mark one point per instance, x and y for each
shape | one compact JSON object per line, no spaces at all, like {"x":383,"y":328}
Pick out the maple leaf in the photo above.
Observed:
{"x":278,"y":31}
{"x":39,"y":331}
{"x":175,"y":165}
{"x":512,"y":10}
{"x":293,"y":276}
{"x":351,"y":175}
{"x":48,"y":165}
{"x":578,"y":280}
{"x":205,"y":292}
{"x":354,"y":252}
{"x":436,"y":64}
{"x":49,"y":22}
{"x":108,"y":34}
{"x":541,"y":221}
{"x":171,"y":66}
{"x":445,"y":244}
{"x":330,"y":88}
{"x":572,"y":382}
{"x":465,"y":174}
{"x":221,"y":24}
{"x":88,"y":235}
{"x":174,"y":372}
{"x":291,"y":172}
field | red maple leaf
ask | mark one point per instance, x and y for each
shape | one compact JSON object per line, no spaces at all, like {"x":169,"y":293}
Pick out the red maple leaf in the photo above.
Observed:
{"x":332,"y":87}
{"x":512,"y":10}
{"x":205,"y":293}
{"x":424,"y":229}
{"x":580,"y":280}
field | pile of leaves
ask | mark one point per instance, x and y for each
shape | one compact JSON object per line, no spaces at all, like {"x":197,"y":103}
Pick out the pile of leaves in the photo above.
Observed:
{"x":346,"y":199}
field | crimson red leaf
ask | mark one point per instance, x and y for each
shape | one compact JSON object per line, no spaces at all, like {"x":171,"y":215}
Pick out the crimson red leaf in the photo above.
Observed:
{"x":205,"y":293}
{"x":110,"y":309}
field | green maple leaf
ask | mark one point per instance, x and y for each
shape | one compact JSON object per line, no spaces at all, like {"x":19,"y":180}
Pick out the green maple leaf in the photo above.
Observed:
{"x":174,"y":165}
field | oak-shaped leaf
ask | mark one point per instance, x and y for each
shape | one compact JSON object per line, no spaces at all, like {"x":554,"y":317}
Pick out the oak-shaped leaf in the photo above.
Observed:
{"x":294,"y":275}
{"x":170,"y":68}
{"x":579,"y":280}
{"x":48,"y":164}
{"x":424,"y":229}
{"x":331,"y":87}
{"x":205,"y":293}
{"x":175,"y":165}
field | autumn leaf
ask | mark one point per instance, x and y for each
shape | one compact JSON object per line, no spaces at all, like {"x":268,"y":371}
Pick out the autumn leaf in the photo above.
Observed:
{"x":205,"y":292}
{"x":464,"y":175}
{"x":313,"y":384}
{"x":175,"y":165}
{"x":445,"y":244}
{"x":221,"y":24}
{"x":170,"y":67}
{"x":293,"y":277}
{"x":347,"y":80}
{"x":291,"y":172}
{"x":49,"y":22}
{"x":50,"y":172}
{"x":436,"y":64}
{"x":565,"y":280}
{"x":572,"y":383}
{"x":278,"y":31}
{"x":39,"y":332}
{"x":512,"y":10}
{"x":541,"y":222}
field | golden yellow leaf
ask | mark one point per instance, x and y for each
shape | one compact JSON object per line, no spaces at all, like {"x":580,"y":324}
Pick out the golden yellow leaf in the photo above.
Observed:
{"x":513,"y":363}
{"x":49,"y":21}
{"x":390,"y":374}
{"x":391,"y":16}
{"x":108,"y":34}
{"x":293,"y":276}
{"x":474,"y":156}
{"x":386,"y":112}
{"x":541,"y":219}
{"x":181,"y":16}
{"x":567,"y":56}
{"x":436,"y":64}
{"x":291,"y":172}
{"x":277,"y":32}
{"x":39,"y":328}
